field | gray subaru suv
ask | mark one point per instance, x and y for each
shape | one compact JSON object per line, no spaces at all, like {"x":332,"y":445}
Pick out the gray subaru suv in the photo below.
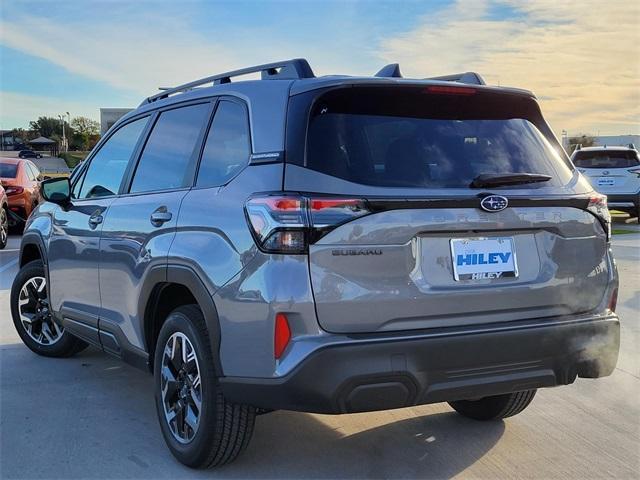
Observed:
{"x":324,"y":244}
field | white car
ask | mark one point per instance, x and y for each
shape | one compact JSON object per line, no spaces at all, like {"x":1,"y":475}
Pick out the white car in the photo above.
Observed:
{"x":614,"y":172}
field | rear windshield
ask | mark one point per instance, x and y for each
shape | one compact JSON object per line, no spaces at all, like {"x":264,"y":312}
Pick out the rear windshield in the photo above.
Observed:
{"x":414,"y":139}
{"x":606,"y":159}
{"x":8,"y":170}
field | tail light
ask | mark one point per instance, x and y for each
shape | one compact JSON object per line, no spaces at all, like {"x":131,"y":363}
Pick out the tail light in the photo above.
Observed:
{"x":636,"y":171}
{"x":289,"y":223}
{"x":13,"y":190}
{"x":598,"y":207}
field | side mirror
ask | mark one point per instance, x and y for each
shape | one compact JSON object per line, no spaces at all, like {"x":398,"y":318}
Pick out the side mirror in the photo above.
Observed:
{"x":56,"y":190}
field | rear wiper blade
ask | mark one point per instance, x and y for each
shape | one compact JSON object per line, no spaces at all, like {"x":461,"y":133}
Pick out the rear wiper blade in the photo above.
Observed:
{"x":487,"y":180}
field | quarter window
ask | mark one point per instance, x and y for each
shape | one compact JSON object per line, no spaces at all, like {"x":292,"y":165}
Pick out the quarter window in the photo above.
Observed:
{"x":227,"y":148}
{"x":107,"y":167}
{"x":167,"y":157}
{"x":30,"y":173}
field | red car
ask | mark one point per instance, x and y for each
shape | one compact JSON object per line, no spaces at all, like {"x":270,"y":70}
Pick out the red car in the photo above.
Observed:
{"x":4,"y":218}
{"x":21,"y":182}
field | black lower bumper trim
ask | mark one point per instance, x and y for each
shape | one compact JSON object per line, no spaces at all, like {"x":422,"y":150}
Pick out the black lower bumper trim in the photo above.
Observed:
{"x":412,"y":371}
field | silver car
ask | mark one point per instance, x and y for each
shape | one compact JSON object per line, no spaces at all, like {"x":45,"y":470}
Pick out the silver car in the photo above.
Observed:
{"x":613,"y":171}
{"x":324,"y":244}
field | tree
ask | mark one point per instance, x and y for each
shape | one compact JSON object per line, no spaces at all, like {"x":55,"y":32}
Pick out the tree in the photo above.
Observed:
{"x":47,"y":126}
{"x":84,"y":125}
{"x":85,"y":133}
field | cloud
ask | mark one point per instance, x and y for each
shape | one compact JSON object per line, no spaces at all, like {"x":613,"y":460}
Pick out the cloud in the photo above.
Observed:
{"x":582,"y":59}
{"x":139,"y":50}
{"x":133,"y":56}
{"x":16,"y":107}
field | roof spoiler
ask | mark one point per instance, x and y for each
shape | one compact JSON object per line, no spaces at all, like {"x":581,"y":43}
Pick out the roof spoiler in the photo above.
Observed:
{"x":393,"y":71}
{"x":632,"y":146}
{"x":294,"y":69}
{"x":472,"y":78}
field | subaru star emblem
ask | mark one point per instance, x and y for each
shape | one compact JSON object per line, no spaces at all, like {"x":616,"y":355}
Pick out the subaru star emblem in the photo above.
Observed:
{"x":494,"y":203}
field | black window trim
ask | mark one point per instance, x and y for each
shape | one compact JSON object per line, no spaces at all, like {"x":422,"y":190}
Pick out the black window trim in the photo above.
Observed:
{"x":125,"y":188}
{"x":81,"y":175}
{"x":219,"y":100}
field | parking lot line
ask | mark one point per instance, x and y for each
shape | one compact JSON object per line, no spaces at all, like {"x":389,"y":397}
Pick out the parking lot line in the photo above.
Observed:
{"x":7,"y":266}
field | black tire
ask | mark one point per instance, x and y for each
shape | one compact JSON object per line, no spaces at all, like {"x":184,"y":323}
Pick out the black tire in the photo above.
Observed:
{"x":65,"y":344}
{"x":223,"y":429}
{"x":496,"y":407}
{"x":4,"y":227}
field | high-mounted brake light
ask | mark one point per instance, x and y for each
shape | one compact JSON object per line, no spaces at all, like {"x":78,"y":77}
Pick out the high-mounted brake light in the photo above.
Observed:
{"x":446,"y":90}
{"x":598,"y":207}
{"x":282,"y":335}
{"x":288,"y":223}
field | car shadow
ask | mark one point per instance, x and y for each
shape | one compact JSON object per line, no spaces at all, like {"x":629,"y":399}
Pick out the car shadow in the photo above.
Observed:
{"x":298,"y":445}
{"x":109,"y":415}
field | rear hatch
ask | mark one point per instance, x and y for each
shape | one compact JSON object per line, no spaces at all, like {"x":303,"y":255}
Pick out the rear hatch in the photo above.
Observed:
{"x":610,"y":171}
{"x":449,"y":230}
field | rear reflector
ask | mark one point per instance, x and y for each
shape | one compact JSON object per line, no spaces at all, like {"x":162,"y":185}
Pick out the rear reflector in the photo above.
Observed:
{"x":282,"y":335}
{"x":446,"y":90}
{"x":613,"y":301}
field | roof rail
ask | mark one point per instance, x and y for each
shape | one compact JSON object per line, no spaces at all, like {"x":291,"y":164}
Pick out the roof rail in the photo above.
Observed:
{"x":285,"y":70}
{"x":467,"y":77}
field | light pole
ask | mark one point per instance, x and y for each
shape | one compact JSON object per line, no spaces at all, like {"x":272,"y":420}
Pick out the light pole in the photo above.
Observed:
{"x":66,"y":146}
{"x":64,"y":138}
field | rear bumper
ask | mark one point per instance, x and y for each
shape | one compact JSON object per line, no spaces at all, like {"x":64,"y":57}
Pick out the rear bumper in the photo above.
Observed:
{"x":442,"y":366}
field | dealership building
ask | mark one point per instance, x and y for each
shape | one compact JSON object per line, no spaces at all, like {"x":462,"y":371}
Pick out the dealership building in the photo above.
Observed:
{"x":109,"y":116}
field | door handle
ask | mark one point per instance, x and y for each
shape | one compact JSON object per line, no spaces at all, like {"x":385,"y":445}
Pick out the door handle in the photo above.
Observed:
{"x":160,"y":216}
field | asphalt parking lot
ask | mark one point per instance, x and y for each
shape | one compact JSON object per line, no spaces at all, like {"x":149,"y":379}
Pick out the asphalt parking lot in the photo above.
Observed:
{"x":93,"y":417}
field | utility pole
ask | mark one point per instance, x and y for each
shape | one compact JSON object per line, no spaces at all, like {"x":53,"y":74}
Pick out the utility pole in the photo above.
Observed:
{"x":69,"y":122}
{"x":64,"y":138}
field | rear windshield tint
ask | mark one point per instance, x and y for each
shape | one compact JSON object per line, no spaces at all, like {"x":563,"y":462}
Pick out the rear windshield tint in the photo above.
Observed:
{"x":606,"y":159}
{"x":8,"y":170}
{"x":414,"y":139}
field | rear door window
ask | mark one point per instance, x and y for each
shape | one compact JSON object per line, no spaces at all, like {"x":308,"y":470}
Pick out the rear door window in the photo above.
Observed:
{"x":8,"y":170}
{"x":167,"y":160}
{"x":413,"y":139}
{"x":606,"y":159}
{"x":227,"y":148}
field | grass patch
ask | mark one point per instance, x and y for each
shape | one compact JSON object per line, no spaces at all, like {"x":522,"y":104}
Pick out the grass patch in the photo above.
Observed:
{"x":622,"y":231}
{"x":73,"y":158}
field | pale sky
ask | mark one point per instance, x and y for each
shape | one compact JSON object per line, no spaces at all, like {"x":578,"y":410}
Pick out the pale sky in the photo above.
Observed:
{"x":581,"y":58}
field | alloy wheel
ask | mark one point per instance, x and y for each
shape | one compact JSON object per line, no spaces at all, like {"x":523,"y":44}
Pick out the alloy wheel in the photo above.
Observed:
{"x":181,"y":387}
{"x":4,"y":226}
{"x":35,"y":316}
